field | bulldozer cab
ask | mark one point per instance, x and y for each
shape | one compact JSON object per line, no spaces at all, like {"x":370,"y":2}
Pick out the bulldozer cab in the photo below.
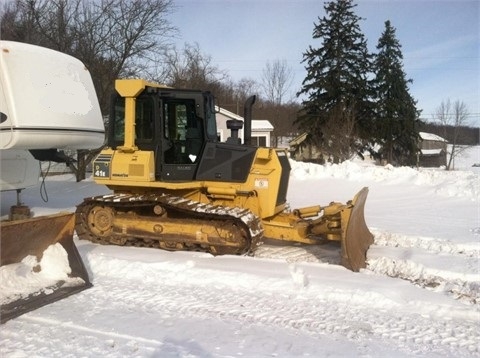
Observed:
{"x":173,"y":124}
{"x":172,"y":133}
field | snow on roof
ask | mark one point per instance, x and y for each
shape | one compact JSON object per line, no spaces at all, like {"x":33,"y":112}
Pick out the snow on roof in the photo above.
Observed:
{"x":298,"y":139}
{"x":261,"y":125}
{"x":228,"y":113}
{"x":431,"y":136}
{"x":431,"y":151}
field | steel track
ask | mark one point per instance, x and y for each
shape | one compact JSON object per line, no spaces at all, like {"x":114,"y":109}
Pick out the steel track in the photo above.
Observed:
{"x":174,"y":210}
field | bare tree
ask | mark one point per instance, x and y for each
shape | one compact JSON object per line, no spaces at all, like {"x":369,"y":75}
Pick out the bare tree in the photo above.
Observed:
{"x":454,"y":115}
{"x":245,"y":88}
{"x":277,"y":78}
{"x":240,"y":91}
{"x":190,"y":68}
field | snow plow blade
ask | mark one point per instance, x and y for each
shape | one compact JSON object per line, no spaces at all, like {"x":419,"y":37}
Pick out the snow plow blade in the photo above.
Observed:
{"x":356,"y":238}
{"x":22,"y":238}
{"x":346,"y":223}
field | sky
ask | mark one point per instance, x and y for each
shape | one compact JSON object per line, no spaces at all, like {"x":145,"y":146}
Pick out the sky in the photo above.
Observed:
{"x":440,"y":41}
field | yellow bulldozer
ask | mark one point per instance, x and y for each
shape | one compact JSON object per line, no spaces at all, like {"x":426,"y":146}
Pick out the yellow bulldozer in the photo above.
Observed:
{"x":177,"y":187}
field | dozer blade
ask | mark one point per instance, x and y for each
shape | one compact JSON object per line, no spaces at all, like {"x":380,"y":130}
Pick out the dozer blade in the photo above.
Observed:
{"x":356,"y":238}
{"x":21,"y":238}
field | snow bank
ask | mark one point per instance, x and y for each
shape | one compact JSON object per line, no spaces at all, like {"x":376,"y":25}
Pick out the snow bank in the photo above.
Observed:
{"x":463,"y":184}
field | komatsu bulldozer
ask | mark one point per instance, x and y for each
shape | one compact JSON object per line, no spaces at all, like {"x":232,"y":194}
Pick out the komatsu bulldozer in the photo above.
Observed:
{"x":47,"y":103}
{"x":177,"y":187}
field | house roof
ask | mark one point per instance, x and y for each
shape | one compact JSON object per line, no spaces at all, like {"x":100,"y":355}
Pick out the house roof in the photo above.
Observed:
{"x":261,"y":125}
{"x":431,"y":136}
{"x":228,"y":113}
{"x":298,"y":139}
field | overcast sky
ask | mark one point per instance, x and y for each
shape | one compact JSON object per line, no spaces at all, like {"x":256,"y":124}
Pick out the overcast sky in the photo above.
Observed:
{"x":440,"y":40}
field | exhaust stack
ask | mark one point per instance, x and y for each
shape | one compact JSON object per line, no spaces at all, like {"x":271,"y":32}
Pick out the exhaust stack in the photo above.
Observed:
{"x":247,"y":116}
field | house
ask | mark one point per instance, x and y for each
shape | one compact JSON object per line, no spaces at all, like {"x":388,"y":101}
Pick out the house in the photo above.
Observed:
{"x":301,"y":150}
{"x":433,"y":150}
{"x":261,"y":129}
{"x":261,"y":132}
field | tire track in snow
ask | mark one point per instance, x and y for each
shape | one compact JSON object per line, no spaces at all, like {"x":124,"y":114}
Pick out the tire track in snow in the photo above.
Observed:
{"x":307,"y":315}
{"x":404,"y":257}
{"x":169,"y":293}
{"x":84,"y":341}
{"x":292,"y":253}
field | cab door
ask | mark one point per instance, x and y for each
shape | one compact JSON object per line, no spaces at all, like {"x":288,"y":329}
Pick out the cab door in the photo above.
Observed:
{"x":183,"y":139}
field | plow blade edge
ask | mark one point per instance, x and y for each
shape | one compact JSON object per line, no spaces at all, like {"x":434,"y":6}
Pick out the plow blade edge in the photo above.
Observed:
{"x":356,"y":237}
{"x":32,"y":237}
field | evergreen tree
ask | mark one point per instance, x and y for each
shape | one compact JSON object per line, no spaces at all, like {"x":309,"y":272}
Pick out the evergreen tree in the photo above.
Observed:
{"x":337,"y":110}
{"x":397,"y":117}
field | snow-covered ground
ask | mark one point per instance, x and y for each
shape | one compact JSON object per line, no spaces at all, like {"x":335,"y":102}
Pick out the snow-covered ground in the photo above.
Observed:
{"x":419,"y":295}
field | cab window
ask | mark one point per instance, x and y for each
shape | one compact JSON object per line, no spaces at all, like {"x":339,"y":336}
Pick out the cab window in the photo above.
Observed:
{"x":144,"y":120}
{"x":183,"y":130}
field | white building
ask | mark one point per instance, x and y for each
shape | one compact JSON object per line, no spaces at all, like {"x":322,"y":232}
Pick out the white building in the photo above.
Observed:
{"x":433,"y":151}
{"x":261,"y":132}
{"x":261,"y":129}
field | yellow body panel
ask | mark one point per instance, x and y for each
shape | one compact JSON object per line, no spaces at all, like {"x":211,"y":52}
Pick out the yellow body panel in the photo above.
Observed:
{"x":138,"y":166}
{"x":134,"y":172}
{"x":122,"y":168}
